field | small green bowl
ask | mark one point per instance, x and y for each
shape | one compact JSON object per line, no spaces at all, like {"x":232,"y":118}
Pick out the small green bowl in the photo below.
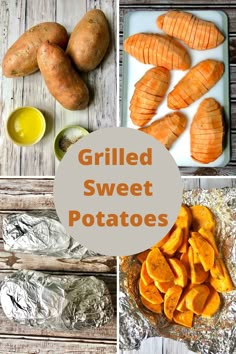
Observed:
{"x":67,"y":137}
{"x":25,"y":126}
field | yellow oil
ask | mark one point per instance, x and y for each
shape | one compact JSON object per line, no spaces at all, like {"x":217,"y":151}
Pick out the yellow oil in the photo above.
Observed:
{"x":26,"y":126}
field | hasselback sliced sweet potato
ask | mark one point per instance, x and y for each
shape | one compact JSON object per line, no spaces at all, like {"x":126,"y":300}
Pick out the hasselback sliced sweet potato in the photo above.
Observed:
{"x":198,"y":81}
{"x":167,"y":129}
{"x":199,"y":34}
{"x":158,"y":50}
{"x":148,"y":94}
{"x":207,"y":144}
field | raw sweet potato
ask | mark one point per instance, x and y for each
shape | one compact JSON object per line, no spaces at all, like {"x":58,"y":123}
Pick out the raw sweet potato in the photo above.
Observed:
{"x":207,"y":144}
{"x":157,"y":50}
{"x":150,"y":293}
{"x":198,"y":81}
{"x":141,"y":257}
{"x":197,"y":273}
{"x":157,"y":266}
{"x":175,"y":240}
{"x":222,"y":283}
{"x":163,"y":287}
{"x":196,"y":298}
{"x":144,"y":275}
{"x":21,"y":57}
{"x":212,"y":303}
{"x":151,"y":307}
{"x":200,"y":34}
{"x":89,"y":40}
{"x":171,"y":300}
{"x":179,"y":271}
{"x":204,"y":249}
{"x":143,"y":105}
{"x":202,"y":218}
{"x":167,"y":129}
{"x":60,"y":77}
{"x":183,"y":318}
{"x":209,"y":236}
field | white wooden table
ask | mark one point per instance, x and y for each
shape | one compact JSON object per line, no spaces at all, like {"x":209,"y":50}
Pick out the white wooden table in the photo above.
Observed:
{"x":166,"y":346}
{"x":15,"y":18}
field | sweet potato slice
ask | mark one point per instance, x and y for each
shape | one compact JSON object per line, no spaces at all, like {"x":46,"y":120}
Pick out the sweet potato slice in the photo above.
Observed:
{"x":174,"y":242}
{"x":222,"y":283}
{"x":157,"y":266}
{"x":179,"y":271}
{"x":182,"y":302}
{"x":198,"y":274}
{"x":212,"y":303}
{"x":144,"y":275}
{"x":202,"y":217}
{"x":171,"y":300}
{"x":196,"y":298}
{"x":141,"y":257}
{"x":209,"y":236}
{"x":217,"y":270}
{"x":156,"y":308}
{"x":163,"y":287}
{"x":204,"y":249}
{"x":184,"y":221}
{"x":184,"y":259}
{"x":150,"y":293}
{"x":183,"y":318}
{"x":162,"y":241}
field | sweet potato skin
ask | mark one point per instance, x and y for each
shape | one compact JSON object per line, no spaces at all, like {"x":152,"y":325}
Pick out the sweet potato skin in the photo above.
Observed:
{"x":21,"y":57}
{"x":60,"y":77}
{"x":89,"y":41}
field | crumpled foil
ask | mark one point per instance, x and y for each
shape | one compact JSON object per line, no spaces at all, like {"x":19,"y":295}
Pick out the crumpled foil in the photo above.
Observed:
{"x":41,"y":234}
{"x":208,"y":336}
{"x":56,"y":302}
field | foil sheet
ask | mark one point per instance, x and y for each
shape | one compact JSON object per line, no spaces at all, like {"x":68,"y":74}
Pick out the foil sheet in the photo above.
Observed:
{"x":56,"y":302}
{"x":208,"y":336}
{"x":41,"y":233}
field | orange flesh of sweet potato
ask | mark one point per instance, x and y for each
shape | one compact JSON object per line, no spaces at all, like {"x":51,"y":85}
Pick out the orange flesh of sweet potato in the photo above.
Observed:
{"x":184,"y":221}
{"x":209,"y":236}
{"x":183,"y":318}
{"x":184,"y":259}
{"x":163,"y":287}
{"x":222,"y":284}
{"x":204,"y":249}
{"x":151,"y":307}
{"x":202,"y":217}
{"x":198,"y":81}
{"x":217,"y":270}
{"x":160,"y":57}
{"x":196,"y":298}
{"x":162,"y":241}
{"x":198,"y":274}
{"x":165,"y":132}
{"x":173,"y":243}
{"x":182,"y":302}
{"x":212,"y":303}
{"x":180,"y":273}
{"x":150,"y":293}
{"x":141,"y":257}
{"x":171,"y":300}
{"x":144,"y":275}
{"x":157,"y":266}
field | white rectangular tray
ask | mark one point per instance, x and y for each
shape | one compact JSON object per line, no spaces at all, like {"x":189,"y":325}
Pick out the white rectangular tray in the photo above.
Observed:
{"x":133,"y":70}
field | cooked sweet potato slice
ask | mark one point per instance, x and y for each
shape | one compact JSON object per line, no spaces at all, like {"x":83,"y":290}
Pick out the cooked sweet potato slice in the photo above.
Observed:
{"x":196,"y":259}
{"x":212,"y":303}
{"x":171,"y":300}
{"x":156,"y":308}
{"x":157,"y":266}
{"x":173,"y":243}
{"x":184,"y":259}
{"x":150,"y":293}
{"x":204,"y":249}
{"x":222,"y":284}
{"x":144,"y":275}
{"x":196,"y":298}
{"x":197,"y":272}
{"x":184,"y":221}
{"x":217,"y":270}
{"x":202,"y":217}
{"x":182,"y":302}
{"x":179,"y":271}
{"x":183,"y":318}
{"x":163,"y":287}
{"x":162,"y":241}
{"x":141,"y":257}
{"x":209,"y":236}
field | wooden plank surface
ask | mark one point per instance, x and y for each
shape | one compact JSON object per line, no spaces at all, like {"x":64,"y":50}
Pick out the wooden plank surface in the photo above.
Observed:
{"x":229,"y":7}
{"x":15,"y":18}
{"x":36,"y":195}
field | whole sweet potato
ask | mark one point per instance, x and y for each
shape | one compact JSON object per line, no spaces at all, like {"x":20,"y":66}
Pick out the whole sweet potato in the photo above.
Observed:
{"x":89,"y":41}
{"x":21,"y":57}
{"x":61,"y":79}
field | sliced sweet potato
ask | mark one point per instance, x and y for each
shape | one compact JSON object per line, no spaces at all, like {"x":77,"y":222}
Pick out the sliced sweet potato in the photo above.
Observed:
{"x":212,"y":303}
{"x":222,"y":283}
{"x":202,"y":217}
{"x":163,"y":287}
{"x":209,"y":236}
{"x":144,"y":275}
{"x":171,"y":300}
{"x":162,"y":241}
{"x":197,"y":272}
{"x":150,"y":293}
{"x":184,"y":221}
{"x":157,"y":266}
{"x":196,"y":258}
{"x":183,"y":318}
{"x":196,"y":298}
{"x":182,"y":302}
{"x":217,"y":270}
{"x":204,"y":249}
{"x":174,"y":242}
{"x":179,"y":271}
{"x":141,"y":257}
{"x":151,"y":307}
{"x":184,"y":259}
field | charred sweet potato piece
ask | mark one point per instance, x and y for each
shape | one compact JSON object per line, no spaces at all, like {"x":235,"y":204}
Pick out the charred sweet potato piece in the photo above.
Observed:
{"x":196,"y":298}
{"x":171,"y":300}
{"x":150,"y":293}
{"x":157,"y":266}
{"x":184,"y":318}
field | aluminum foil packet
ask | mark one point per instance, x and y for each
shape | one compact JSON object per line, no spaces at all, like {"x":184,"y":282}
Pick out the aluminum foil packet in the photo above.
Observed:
{"x":41,"y":233}
{"x":56,"y":302}
{"x":216,"y":335}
